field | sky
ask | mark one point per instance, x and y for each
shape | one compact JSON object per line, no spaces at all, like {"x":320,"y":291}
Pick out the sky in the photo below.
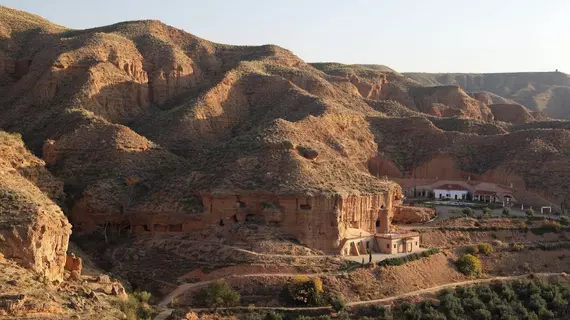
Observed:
{"x":406,"y":35}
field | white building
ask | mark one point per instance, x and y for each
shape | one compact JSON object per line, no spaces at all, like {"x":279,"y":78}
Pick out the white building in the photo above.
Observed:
{"x":451,"y":191}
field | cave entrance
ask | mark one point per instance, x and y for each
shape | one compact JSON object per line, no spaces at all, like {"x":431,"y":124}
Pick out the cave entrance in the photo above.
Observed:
{"x":377,"y":223}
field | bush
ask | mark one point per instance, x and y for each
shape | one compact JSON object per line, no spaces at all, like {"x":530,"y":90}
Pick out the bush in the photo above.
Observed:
{"x":304,"y":291}
{"x":143,"y":296}
{"x":218,"y":294}
{"x":408,"y":258}
{"x":529,"y":213}
{"x":343,"y":315}
{"x":272,"y":315}
{"x":487,"y":212}
{"x":506,"y":212}
{"x":564,"y":220}
{"x":338,"y":304}
{"x":485,"y":248}
{"x":134,"y":309}
{"x":469,"y":265}
{"x":472,"y":249}
{"x":467,"y":212}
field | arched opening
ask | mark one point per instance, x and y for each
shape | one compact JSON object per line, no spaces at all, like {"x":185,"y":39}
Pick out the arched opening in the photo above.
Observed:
{"x":382,"y":206}
{"x":221,"y":222}
{"x":377,"y":223}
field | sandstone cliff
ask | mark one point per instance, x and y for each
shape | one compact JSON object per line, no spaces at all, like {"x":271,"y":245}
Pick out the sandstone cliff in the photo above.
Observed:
{"x":34,"y":231}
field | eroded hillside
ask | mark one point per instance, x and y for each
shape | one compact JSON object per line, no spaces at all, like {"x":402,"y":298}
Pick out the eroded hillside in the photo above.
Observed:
{"x":138,"y":110}
{"x":538,"y":91}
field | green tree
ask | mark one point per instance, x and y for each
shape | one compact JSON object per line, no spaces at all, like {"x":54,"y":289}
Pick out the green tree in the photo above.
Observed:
{"x":482,"y":314}
{"x":469,"y":265}
{"x":564,"y":220}
{"x":218,"y":294}
{"x":529,"y":213}
{"x":506,"y":212}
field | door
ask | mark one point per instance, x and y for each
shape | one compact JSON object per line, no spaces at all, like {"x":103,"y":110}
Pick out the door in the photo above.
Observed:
{"x":409,"y":247}
{"x":401,"y":248}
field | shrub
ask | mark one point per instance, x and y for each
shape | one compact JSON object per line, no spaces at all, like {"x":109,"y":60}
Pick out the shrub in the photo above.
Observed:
{"x":564,"y":220}
{"x":485,"y":248}
{"x":304,"y":291}
{"x":472,"y":249}
{"x":506,"y":212}
{"x":529,"y":213}
{"x":272,"y":315}
{"x":218,"y":294}
{"x":338,"y":304}
{"x":324,"y":317}
{"x":143,"y":296}
{"x":343,"y":315}
{"x":467,"y":211}
{"x":469,"y":265}
{"x":408,"y":258}
{"x":134,"y":310}
{"x":487,"y":212}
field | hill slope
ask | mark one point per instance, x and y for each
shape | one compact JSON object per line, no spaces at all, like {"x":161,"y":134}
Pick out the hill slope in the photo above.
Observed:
{"x":138,"y":116}
{"x":538,"y":91}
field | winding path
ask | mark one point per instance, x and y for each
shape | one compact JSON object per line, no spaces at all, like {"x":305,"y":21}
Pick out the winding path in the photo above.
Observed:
{"x":181,"y":289}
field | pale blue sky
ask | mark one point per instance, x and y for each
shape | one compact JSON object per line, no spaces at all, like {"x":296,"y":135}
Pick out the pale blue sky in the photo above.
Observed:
{"x":407,"y":35}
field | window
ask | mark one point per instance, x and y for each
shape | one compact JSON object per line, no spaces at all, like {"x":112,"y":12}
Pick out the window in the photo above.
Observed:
{"x":377,"y":223}
{"x":394,"y":246}
{"x":305,"y":207}
{"x":416,"y":243}
{"x":388,"y":246}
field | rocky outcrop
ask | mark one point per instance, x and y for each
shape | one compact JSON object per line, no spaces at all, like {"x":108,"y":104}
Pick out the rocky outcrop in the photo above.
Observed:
{"x":409,"y":214}
{"x":39,"y":242}
{"x":33,"y":230}
{"x":448,"y":101}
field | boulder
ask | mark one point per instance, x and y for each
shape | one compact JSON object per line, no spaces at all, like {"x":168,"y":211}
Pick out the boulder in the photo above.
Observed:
{"x":407,"y":214}
{"x":73,"y":263}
